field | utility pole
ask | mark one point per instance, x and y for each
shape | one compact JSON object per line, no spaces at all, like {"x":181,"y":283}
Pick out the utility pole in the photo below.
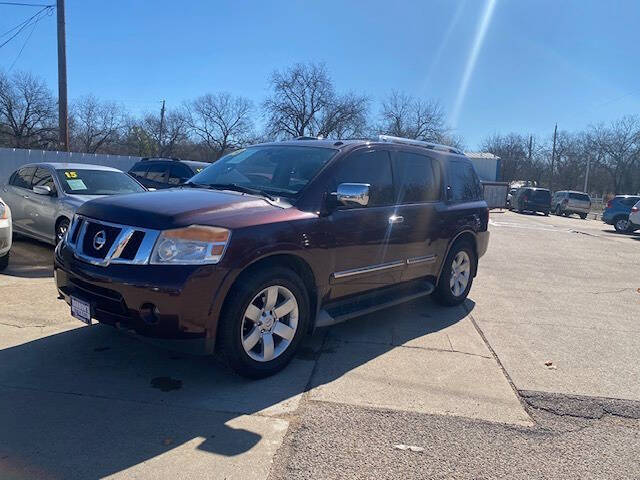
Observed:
{"x":586,"y":176}
{"x":161,"y":129}
{"x":530,"y":146}
{"x":63,"y":112}
{"x":553,"y":156}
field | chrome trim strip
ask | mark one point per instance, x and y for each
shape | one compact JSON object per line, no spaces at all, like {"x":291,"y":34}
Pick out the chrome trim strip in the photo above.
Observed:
{"x":424,"y":259}
{"x":372,"y":268}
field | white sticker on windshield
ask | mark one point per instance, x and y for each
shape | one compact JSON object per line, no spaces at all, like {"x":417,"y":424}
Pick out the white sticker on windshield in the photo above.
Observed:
{"x":76,"y":185}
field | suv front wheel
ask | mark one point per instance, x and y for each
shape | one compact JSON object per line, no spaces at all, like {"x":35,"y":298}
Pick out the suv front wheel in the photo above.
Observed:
{"x":457,"y":274}
{"x":264,"y":320}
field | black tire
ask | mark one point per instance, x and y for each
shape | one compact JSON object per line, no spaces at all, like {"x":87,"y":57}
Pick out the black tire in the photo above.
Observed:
{"x":583,"y":216}
{"x":620,"y":226}
{"x":231,"y":320}
{"x":4,"y":261}
{"x":62,"y":225}
{"x":546,"y":213}
{"x":558,"y":211}
{"x":443,"y":293}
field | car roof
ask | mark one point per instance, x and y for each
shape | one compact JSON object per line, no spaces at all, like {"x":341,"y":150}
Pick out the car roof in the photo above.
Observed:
{"x":353,"y":143}
{"x":537,"y":188}
{"x":193,"y":163}
{"x":72,"y":166}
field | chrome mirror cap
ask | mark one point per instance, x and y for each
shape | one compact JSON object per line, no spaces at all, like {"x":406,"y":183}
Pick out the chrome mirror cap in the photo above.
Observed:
{"x":353,"y":194}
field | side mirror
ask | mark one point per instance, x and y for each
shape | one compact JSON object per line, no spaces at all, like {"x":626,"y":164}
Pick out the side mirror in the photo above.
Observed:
{"x":353,"y":194}
{"x":42,"y":190}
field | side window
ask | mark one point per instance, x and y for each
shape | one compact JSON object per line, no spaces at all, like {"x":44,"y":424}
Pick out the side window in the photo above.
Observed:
{"x":157,"y":173}
{"x":463,"y":182}
{"x":139,"y":169}
{"x":43,"y":177}
{"x":417,"y":178}
{"x":629,"y":201}
{"x":372,"y":167}
{"x":179,"y":173}
{"x":22,"y":177}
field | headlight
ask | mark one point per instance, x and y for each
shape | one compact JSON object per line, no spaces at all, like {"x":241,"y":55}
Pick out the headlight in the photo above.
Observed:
{"x":190,"y":246}
{"x":4,"y":212}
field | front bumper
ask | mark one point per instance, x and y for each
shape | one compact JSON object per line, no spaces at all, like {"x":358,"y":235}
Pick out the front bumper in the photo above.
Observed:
{"x":120,"y":295}
{"x":5,"y":236}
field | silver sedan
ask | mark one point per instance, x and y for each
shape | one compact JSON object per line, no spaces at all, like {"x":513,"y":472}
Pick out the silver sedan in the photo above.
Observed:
{"x":44,"y":196}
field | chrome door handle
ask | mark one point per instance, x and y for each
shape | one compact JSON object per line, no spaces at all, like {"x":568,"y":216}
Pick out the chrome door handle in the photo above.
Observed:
{"x":25,"y":196}
{"x":396,"y":219}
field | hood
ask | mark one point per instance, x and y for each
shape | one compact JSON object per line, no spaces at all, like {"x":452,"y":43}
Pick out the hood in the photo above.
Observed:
{"x":174,"y":208}
{"x":77,"y":200}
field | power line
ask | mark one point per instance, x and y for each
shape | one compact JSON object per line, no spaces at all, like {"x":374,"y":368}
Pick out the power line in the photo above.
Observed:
{"x":34,"y":18}
{"x":18,"y":4}
{"x":24,"y":44}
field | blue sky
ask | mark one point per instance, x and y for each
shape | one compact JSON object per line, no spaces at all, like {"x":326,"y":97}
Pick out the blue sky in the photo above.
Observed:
{"x":541,"y":61}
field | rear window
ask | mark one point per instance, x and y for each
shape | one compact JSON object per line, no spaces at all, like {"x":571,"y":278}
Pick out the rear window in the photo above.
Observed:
{"x":463,"y":182}
{"x":541,"y":196}
{"x":580,"y":196}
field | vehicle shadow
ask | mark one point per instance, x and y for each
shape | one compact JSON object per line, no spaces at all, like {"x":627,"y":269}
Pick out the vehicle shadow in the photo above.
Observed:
{"x":30,"y":259}
{"x":92,"y":401}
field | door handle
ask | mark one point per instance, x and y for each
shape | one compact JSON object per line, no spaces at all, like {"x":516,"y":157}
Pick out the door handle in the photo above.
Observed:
{"x":396,"y":219}
{"x":25,"y":196}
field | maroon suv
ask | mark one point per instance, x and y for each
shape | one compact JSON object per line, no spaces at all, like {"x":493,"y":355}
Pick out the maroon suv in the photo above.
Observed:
{"x":276,"y":239}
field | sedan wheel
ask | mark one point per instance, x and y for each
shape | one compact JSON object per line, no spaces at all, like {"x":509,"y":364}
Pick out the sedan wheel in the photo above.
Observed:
{"x":270,"y":323}
{"x":61,"y":229}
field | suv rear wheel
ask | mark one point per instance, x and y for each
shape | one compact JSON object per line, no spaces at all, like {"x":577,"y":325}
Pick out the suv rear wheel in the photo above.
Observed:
{"x":621,"y":225}
{"x":457,"y":275}
{"x":263,"y":322}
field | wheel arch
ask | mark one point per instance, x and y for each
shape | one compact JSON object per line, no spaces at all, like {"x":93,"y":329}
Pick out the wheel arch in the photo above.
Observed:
{"x":61,"y":216}
{"x":467,"y":236}
{"x":287,"y":260}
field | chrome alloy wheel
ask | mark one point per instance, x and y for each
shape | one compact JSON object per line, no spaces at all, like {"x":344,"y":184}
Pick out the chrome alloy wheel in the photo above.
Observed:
{"x":269,"y":323}
{"x":460,"y":273}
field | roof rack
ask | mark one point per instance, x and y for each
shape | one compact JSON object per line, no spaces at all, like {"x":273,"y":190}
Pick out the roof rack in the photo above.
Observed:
{"x":420,"y":143}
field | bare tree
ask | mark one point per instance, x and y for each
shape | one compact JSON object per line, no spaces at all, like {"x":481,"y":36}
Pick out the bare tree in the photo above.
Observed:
{"x":304,"y":102}
{"x":95,"y":126}
{"x":27,"y":112}
{"x":406,"y":116}
{"x":618,"y":147}
{"x":221,"y":121}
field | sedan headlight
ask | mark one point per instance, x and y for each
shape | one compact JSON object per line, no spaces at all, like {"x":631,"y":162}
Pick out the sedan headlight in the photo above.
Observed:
{"x":197,"y":244}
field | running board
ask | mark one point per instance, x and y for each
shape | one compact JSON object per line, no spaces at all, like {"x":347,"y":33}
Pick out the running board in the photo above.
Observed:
{"x":347,"y":309}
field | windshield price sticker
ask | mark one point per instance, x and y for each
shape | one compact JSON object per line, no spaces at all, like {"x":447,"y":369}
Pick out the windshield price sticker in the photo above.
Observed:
{"x":76,"y":184}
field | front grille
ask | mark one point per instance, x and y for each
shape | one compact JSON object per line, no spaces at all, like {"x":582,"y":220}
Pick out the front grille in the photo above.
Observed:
{"x":102,"y":243}
{"x":90,"y":245}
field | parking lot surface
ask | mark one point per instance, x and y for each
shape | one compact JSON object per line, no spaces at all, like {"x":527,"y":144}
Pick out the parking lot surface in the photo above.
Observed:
{"x":536,"y":376}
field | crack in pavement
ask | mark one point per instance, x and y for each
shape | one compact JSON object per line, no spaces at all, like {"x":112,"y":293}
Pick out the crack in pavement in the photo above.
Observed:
{"x":579,"y":406}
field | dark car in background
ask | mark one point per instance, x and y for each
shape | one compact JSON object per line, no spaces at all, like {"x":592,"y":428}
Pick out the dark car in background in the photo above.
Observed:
{"x":158,"y":173}
{"x":44,"y":196}
{"x":617,"y":212}
{"x":276,"y":239}
{"x":531,"y":199}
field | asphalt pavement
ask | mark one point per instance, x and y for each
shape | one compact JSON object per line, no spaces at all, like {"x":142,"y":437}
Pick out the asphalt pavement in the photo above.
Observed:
{"x":536,"y":376}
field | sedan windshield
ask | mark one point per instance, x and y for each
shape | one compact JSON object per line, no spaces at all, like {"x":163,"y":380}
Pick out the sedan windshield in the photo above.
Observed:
{"x":97,"y":182}
{"x":273,"y":169}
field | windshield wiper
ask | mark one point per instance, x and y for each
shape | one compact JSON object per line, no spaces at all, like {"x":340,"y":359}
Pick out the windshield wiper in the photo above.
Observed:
{"x":232,"y":186}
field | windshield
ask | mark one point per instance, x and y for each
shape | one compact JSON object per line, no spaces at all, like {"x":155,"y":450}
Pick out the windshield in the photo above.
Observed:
{"x":275,"y":169}
{"x":97,"y":182}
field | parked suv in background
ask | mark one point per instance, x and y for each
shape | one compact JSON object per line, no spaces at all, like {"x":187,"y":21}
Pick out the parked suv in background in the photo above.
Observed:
{"x":161,"y":173}
{"x":276,"y":239}
{"x":617,"y":211}
{"x":568,"y":202}
{"x":634,"y":217}
{"x":531,"y":199}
